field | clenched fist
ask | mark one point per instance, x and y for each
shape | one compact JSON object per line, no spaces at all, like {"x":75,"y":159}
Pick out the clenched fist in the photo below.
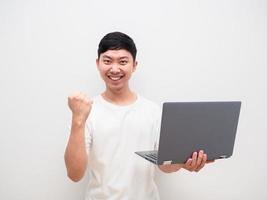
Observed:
{"x":80,"y":105}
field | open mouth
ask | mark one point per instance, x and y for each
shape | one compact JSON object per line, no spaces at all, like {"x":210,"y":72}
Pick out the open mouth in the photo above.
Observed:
{"x":115,"y":78}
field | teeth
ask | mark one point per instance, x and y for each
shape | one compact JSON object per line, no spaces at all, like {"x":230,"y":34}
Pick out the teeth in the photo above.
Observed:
{"x":115,"y":78}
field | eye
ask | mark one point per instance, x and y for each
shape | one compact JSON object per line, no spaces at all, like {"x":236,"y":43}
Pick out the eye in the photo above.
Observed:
{"x":106,"y":61}
{"x":123,"y":62}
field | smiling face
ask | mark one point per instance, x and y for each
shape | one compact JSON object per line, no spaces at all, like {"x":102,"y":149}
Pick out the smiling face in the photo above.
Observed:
{"x":116,"y":68}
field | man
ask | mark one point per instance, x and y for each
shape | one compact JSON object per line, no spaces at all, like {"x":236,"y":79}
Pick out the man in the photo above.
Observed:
{"x":107,"y":130}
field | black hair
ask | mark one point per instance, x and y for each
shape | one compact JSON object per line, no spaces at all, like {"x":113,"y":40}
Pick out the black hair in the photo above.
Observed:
{"x":116,"y":41}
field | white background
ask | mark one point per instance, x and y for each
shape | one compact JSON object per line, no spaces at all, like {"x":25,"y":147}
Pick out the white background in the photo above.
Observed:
{"x":187,"y":51}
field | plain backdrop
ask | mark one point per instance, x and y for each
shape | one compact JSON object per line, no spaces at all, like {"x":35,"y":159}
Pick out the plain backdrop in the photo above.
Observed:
{"x":191,"y":50}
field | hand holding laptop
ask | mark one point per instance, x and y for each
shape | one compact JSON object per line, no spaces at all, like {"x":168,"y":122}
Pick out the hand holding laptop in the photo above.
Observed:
{"x":195,"y":163}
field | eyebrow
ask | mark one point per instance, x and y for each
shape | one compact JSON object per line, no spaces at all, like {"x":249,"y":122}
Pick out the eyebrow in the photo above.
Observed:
{"x":124,"y":57}
{"x":104,"y":56}
{"x":120,"y":58}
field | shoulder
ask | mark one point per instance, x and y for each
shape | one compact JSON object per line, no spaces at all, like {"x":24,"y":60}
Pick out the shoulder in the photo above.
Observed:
{"x":96,"y":98}
{"x":149,"y":105}
{"x":97,"y":102}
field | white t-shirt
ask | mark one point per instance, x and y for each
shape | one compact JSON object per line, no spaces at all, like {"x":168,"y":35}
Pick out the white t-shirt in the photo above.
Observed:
{"x":113,"y":133}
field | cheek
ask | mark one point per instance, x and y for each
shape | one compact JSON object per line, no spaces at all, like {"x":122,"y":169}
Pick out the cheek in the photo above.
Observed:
{"x":102,"y":73}
{"x":130,"y":68}
{"x":103,"y":70}
{"x":131,"y":71}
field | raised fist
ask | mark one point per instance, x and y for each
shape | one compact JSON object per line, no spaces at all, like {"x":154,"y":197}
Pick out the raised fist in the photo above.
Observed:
{"x":80,"y":105}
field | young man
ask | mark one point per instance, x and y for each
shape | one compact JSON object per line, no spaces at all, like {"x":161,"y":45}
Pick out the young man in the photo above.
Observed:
{"x":107,"y":130}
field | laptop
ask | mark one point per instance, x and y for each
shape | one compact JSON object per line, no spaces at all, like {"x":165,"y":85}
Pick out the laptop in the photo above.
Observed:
{"x":187,"y":127}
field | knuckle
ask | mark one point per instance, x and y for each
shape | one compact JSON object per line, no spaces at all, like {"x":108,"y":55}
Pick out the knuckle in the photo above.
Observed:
{"x":87,"y":100}
{"x":78,"y":98}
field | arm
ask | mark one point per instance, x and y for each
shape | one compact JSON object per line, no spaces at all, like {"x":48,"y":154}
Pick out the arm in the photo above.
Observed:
{"x":196,"y":163}
{"x":75,"y":154}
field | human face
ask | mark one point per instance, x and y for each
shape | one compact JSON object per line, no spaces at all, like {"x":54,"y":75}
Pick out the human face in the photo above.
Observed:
{"x":116,"y":68}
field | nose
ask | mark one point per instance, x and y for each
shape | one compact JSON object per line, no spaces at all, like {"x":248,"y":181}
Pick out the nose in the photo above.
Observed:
{"x":115,"y":68}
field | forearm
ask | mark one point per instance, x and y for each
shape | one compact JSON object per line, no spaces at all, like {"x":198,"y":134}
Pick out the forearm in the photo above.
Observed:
{"x":75,"y":154}
{"x":170,"y":168}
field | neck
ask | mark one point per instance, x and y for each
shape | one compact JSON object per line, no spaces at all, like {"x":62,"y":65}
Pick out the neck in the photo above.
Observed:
{"x":122,"y":97}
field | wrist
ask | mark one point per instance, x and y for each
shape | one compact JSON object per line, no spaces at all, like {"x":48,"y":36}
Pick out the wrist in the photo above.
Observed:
{"x":78,"y":121}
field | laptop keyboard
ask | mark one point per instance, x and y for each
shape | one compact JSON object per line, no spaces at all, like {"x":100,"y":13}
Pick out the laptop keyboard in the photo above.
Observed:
{"x":152,"y":155}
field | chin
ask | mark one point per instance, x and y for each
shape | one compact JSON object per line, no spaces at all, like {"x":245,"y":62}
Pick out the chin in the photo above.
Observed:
{"x":115,"y":88}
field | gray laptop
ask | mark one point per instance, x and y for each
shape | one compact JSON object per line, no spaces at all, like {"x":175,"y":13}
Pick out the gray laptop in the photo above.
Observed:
{"x":192,"y":126}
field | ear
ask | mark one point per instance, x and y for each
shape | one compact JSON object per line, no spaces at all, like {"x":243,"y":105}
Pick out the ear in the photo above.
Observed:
{"x":97,"y":63}
{"x":135,"y":65}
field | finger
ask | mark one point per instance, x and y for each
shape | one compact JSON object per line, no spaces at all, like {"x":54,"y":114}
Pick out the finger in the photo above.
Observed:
{"x":87,"y":100}
{"x":80,"y":95}
{"x":72,"y":95}
{"x":188,"y":164}
{"x":203,"y":162}
{"x":194,"y":160}
{"x":199,"y":158}
{"x":83,"y":97}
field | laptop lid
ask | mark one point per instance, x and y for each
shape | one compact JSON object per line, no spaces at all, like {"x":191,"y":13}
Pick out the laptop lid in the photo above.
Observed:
{"x":192,"y":126}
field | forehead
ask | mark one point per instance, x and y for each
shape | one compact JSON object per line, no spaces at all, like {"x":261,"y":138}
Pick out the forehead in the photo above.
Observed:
{"x":117,"y":54}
